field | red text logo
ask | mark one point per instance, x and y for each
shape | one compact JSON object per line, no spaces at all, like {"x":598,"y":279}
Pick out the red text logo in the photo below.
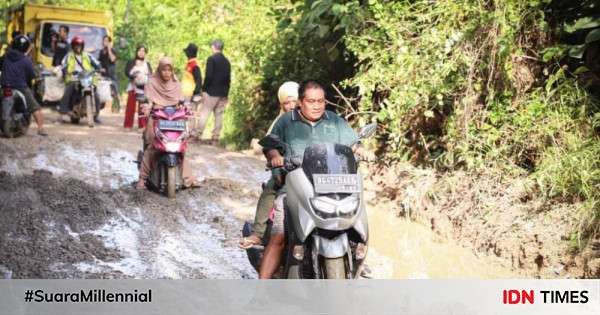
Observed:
{"x":517,"y":297}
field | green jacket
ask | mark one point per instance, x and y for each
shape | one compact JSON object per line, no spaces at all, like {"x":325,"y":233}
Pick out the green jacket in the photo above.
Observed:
{"x":299,"y":133}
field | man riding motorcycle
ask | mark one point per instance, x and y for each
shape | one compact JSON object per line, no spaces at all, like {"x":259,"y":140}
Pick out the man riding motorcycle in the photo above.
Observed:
{"x":310,"y":123}
{"x":75,"y":62}
{"x":18,"y":73}
{"x":288,"y":100}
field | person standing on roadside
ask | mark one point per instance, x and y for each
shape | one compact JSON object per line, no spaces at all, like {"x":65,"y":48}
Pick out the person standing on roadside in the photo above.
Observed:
{"x":138,"y":70}
{"x":192,"y":77}
{"x":216,"y":90}
{"x":108,"y":64}
{"x":108,"y":58}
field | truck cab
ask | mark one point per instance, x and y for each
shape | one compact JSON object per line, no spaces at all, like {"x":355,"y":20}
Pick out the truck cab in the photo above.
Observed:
{"x":40,"y":22}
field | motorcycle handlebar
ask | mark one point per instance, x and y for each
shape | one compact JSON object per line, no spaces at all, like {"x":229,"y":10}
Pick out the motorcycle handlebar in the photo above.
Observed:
{"x":289,"y":164}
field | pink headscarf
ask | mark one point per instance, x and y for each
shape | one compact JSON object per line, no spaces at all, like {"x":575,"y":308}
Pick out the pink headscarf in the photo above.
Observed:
{"x":163,"y":93}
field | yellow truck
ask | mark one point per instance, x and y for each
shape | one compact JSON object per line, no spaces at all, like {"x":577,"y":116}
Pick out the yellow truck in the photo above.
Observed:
{"x":42,"y":21}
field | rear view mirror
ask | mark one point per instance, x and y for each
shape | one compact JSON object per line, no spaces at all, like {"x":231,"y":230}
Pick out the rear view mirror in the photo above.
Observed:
{"x":367,"y":131}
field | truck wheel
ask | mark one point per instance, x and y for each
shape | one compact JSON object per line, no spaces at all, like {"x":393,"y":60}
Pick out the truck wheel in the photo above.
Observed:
{"x":335,"y":268}
{"x":171,"y":178}
{"x":89,"y":112}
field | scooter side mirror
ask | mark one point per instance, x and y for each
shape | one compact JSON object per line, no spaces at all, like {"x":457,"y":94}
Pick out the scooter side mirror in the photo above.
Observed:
{"x":367,"y":131}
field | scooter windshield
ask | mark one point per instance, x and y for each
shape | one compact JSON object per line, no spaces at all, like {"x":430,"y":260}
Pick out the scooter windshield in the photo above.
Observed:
{"x":328,"y":158}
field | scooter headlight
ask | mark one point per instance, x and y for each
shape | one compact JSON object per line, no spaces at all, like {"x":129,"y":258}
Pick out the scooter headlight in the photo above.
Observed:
{"x":172,"y":146}
{"x":349,"y":205}
{"x":326,"y":207}
{"x":323,"y":206}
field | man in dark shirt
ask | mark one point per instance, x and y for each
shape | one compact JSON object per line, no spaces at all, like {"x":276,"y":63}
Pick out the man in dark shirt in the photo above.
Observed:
{"x":18,"y":73}
{"x":108,"y":65}
{"x":61,"y":46}
{"x":216,"y":90}
{"x":108,"y":58}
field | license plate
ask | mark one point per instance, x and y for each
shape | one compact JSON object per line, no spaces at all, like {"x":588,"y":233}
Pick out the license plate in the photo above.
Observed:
{"x":178,"y":125}
{"x":336,"y":183}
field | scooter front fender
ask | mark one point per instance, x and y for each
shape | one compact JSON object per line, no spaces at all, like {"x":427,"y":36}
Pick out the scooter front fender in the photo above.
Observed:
{"x":170,"y":159}
{"x":332,"y":248}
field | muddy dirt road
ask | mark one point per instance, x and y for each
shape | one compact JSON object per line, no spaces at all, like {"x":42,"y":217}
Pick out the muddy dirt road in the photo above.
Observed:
{"x":68,"y":210}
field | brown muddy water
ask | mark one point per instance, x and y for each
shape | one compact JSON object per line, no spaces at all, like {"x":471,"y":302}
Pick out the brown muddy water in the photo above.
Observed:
{"x":403,"y":249}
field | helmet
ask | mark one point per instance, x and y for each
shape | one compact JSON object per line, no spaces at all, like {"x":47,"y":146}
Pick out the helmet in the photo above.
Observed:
{"x":77,"y":40}
{"x":21,"y":43}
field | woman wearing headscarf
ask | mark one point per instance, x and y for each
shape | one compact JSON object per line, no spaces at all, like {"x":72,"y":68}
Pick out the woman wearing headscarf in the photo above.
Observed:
{"x":163,"y":89}
{"x":138,"y":70}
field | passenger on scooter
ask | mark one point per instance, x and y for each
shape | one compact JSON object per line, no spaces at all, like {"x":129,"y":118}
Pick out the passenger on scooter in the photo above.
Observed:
{"x":163,"y":89}
{"x":18,"y":73}
{"x":288,"y":100}
{"x":308,"y":124}
{"x":75,"y":62}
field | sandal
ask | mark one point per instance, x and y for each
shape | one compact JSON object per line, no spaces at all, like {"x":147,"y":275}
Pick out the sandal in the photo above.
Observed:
{"x":141,"y":185}
{"x":194,"y":184}
{"x":249,"y":242}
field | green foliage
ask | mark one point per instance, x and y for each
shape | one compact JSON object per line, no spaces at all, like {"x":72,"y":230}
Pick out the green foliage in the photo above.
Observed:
{"x":474,"y":84}
{"x":306,"y":43}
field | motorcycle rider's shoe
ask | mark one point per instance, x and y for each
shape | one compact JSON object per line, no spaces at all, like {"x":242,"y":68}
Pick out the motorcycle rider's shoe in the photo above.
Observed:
{"x":250,"y":241}
{"x":97,"y":120}
{"x":366,"y":272}
{"x":194,"y":184}
{"x":64,"y":118}
{"x":42,"y":132}
{"x":141,"y":185}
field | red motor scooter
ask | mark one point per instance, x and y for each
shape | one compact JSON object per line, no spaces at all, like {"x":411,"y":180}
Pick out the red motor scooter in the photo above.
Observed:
{"x":171,"y":139}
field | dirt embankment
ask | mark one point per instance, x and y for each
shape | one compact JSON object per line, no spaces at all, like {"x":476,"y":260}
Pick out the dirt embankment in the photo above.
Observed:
{"x":494,"y":215}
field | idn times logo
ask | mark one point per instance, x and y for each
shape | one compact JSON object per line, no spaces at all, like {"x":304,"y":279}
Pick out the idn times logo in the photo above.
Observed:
{"x":544,"y":297}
